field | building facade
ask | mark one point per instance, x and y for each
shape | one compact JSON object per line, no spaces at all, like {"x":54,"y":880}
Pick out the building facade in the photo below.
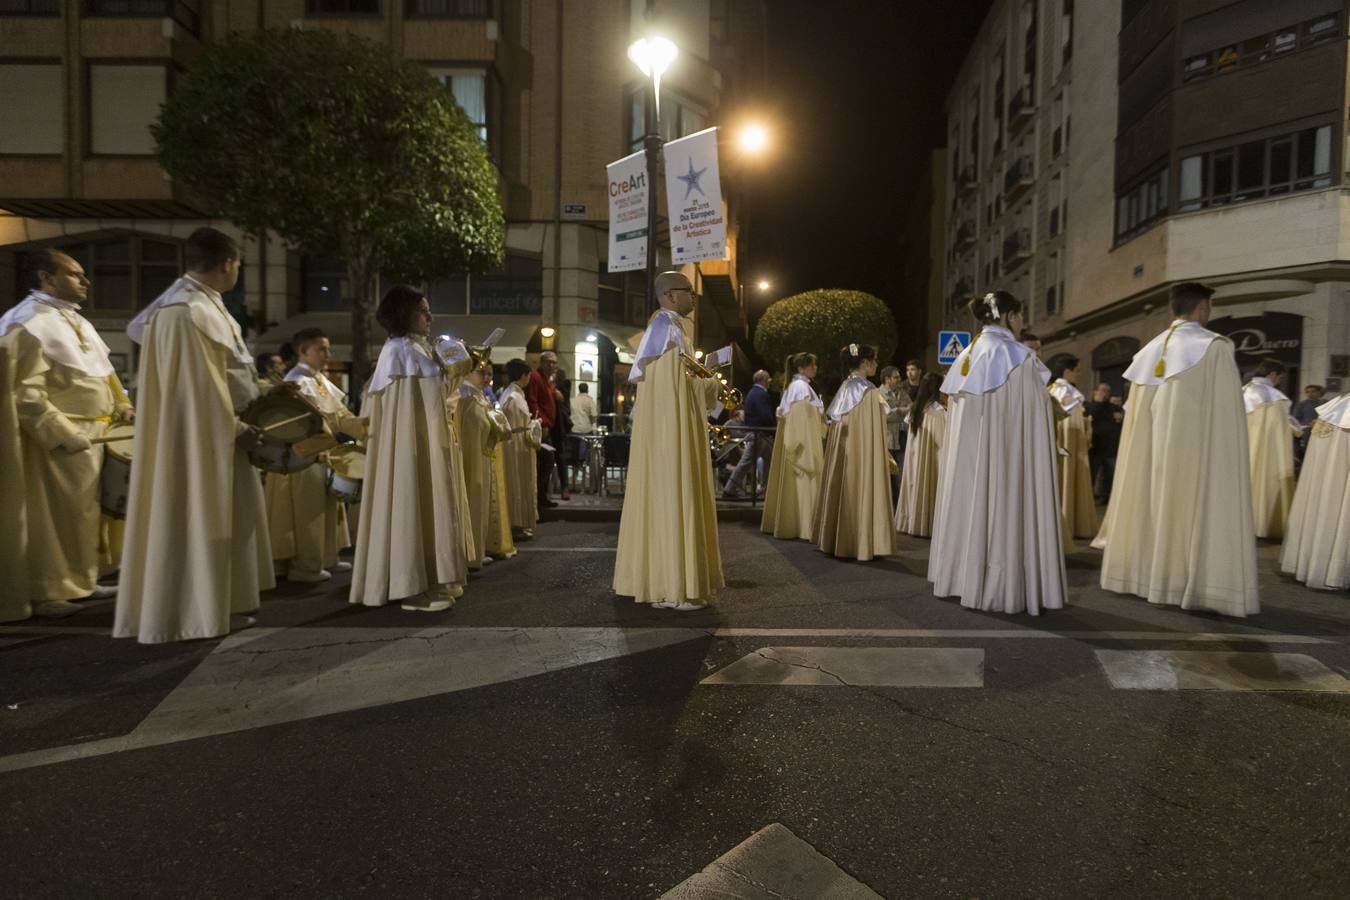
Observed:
{"x":547,"y":82}
{"x":1207,"y":145}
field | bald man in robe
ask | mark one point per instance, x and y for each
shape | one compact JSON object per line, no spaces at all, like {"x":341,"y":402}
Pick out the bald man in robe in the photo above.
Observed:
{"x":668,"y":554}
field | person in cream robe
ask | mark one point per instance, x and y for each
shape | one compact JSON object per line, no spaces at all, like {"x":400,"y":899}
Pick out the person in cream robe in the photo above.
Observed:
{"x":919,"y":481}
{"x":1178,"y":528}
{"x":196,"y":548}
{"x":668,"y":554}
{"x":65,"y":394}
{"x":308,"y":526}
{"x":1074,"y":432}
{"x":410,"y":543}
{"x":1317,"y":541}
{"x":799,"y":455}
{"x":519,"y":453}
{"x":480,"y":436}
{"x":853,"y":516}
{"x":1271,"y":431}
{"x":996,"y":538}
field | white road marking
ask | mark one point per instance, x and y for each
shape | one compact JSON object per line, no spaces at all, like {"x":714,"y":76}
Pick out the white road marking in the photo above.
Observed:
{"x":1189,"y":670}
{"x":857,"y":667}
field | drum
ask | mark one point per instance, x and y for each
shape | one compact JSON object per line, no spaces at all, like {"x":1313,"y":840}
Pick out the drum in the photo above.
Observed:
{"x":346,"y":472}
{"x":115,"y":479}
{"x":286,"y":418}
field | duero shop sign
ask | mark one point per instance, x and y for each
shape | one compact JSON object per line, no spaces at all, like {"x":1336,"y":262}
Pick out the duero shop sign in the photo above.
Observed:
{"x":1274,"y":335}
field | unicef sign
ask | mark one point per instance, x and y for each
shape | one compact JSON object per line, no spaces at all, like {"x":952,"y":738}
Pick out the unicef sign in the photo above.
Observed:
{"x":1273,"y":335}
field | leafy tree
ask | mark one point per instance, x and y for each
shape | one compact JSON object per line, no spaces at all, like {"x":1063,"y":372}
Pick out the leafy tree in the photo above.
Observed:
{"x":822,"y":322}
{"x":344,"y":150}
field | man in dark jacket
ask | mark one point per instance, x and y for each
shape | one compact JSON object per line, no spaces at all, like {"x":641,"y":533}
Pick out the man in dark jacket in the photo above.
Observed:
{"x":544,"y":407}
{"x":759,"y":415}
{"x":1106,"y":418}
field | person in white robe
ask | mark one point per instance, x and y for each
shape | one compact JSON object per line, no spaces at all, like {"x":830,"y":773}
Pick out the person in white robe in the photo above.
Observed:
{"x":668,"y":554}
{"x":1074,"y":432}
{"x":65,"y":395}
{"x":1271,"y":431}
{"x":481,"y":431}
{"x":1178,"y":529}
{"x":996,"y":536}
{"x":799,"y":456}
{"x":196,"y":551}
{"x":927,"y":425}
{"x":307,"y":525}
{"x":410,"y":545}
{"x":519,"y":451}
{"x":1317,"y":541}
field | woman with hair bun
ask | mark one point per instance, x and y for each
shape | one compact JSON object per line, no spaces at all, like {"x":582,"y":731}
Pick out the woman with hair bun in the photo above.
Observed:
{"x":799,"y":454}
{"x":996,"y":538}
{"x":1077,"y":509}
{"x":919,"y":481}
{"x":853,"y":509}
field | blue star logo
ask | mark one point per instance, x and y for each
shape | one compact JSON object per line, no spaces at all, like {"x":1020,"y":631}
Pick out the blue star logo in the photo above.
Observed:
{"x":691,"y":180}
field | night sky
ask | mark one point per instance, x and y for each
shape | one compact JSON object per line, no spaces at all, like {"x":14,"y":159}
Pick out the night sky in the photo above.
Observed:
{"x":858,"y":89}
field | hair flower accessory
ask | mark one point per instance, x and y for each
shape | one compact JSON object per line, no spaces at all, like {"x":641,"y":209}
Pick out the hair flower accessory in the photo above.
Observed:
{"x":852,"y":349}
{"x":991,"y":303}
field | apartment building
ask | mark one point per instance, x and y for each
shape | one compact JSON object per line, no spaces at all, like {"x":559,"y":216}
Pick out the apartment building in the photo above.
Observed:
{"x":547,"y":82}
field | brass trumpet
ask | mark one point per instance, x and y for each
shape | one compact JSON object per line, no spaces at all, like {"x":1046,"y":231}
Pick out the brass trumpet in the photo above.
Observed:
{"x":719,"y":436}
{"x":729,"y":396}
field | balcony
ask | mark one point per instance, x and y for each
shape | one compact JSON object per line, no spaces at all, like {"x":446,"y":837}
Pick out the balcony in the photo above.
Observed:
{"x":1016,"y":249}
{"x":1022,"y":108}
{"x":967,"y":182}
{"x":965,"y":235}
{"x":1020,"y":176}
{"x":961,"y":293}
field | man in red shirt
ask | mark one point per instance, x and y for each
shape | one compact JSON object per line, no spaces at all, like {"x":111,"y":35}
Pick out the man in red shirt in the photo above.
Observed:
{"x":543,"y":406}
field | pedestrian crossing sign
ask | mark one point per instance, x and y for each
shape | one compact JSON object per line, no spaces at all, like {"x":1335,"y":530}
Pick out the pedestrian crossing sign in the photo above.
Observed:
{"x":950,"y":345}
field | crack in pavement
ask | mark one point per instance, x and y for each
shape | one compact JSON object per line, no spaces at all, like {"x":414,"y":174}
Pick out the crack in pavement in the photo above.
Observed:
{"x":815,"y":668}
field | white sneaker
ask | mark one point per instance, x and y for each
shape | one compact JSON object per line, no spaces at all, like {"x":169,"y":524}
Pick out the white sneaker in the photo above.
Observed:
{"x":662,"y":604}
{"x":686,"y":606}
{"x":56,"y":609}
{"x":103,"y":592}
{"x":239,"y":623}
{"x":430,"y":606}
{"x":342,"y":566}
{"x":309,"y":577}
{"x":485,"y":560}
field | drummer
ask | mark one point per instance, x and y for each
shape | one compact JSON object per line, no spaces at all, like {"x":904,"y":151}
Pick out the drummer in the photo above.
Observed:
{"x":308,"y":526}
{"x":66,"y":393}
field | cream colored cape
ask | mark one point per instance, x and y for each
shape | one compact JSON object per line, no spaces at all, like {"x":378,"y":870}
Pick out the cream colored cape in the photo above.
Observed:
{"x":1077,"y":506}
{"x":919,"y":480}
{"x":668,"y":529}
{"x":1178,"y":530}
{"x":1317,"y":543}
{"x":996,"y":530}
{"x":1270,"y":454}
{"x":479,"y":439}
{"x":409,"y":537}
{"x":795,"y":468}
{"x":15,"y":605}
{"x":853,"y":508}
{"x":520,"y":461}
{"x":196,"y":546}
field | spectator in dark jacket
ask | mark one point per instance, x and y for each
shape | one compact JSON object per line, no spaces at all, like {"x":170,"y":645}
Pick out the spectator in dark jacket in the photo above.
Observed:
{"x":544,"y":407}
{"x":1106,"y":418}
{"x":759,"y":415}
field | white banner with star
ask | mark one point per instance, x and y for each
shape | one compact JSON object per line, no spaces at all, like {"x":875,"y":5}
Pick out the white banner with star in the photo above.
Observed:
{"x":628,"y":198}
{"x":698,"y":224}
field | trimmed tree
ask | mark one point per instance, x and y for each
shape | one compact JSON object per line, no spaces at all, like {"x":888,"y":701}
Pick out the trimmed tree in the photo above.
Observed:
{"x":341,"y":148}
{"x":822,"y":322}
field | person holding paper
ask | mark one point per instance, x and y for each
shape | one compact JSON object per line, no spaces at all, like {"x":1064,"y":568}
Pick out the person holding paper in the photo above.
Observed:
{"x":668,"y":554}
{"x":795,"y":469}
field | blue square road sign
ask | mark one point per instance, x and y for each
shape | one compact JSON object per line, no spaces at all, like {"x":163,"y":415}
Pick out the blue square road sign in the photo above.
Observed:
{"x":950,"y":345}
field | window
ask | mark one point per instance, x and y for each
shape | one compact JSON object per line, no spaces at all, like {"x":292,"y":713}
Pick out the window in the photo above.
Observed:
{"x":185,"y":12}
{"x":679,"y":117}
{"x":515,"y":289}
{"x":343,"y":7}
{"x":30,"y":7}
{"x":125,"y":272}
{"x":1052,"y":274}
{"x":996,"y":75}
{"x":1141,"y":206}
{"x":1066,"y":33}
{"x":1029,"y":30}
{"x":123,"y":101}
{"x":718,"y":21}
{"x":1271,"y":166}
{"x":973,"y":111}
{"x":32,"y":108}
{"x":447,"y":9}
{"x":1056,"y":199}
{"x":1260,"y":48}
{"x":623,"y":296}
{"x":469,"y":87}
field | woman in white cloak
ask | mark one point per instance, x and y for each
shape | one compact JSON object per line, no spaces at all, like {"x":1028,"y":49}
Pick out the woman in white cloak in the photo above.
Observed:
{"x":410,"y":543}
{"x":799,"y":455}
{"x":927,"y":426}
{"x":1317,"y":542}
{"x":996,"y":538}
{"x":1270,"y":449}
{"x":522,"y":493}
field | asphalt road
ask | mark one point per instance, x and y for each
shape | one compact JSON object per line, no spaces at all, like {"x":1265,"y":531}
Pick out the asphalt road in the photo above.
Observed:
{"x":547,"y":739}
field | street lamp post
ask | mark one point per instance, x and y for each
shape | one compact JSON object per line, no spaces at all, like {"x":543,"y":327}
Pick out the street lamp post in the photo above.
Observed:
{"x":653,"y":56}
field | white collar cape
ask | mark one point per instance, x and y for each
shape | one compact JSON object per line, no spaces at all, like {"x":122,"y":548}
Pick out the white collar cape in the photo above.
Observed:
{"x":1258,"y":392}
{"x":663,"y":332}
{"x":1068,"y":396}
{"x":513,"y":390}
{"x":1183,"y":350}
{"x":1336,"y":411}
{"x":850,"y":394}
{"x":799,"y":388}
{"x":402,"y":357}
{"x":217,"y":323}
{"x":49,"y":320}
{"x":302,"y":374}
{"x":992,"y":357}
{"x":466,"y":389}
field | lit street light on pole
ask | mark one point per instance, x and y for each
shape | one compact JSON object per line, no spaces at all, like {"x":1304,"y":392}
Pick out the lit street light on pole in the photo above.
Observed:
{"x":652,"y":55}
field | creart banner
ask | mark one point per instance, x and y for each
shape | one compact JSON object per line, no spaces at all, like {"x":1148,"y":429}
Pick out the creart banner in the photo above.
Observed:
{"x":628,"y":198}
{"x":698,"y":225}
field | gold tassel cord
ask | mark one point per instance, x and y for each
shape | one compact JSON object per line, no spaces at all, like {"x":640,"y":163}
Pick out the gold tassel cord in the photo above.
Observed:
{"x":1161,"y":367}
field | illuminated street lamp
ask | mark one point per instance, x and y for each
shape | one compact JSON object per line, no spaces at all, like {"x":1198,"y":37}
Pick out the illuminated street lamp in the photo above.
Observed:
{"x":762,"y":285}
{"x":754,"y":138}
{"x":653,"y":56}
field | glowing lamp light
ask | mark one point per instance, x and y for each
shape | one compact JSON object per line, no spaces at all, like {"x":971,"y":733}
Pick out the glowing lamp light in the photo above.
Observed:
{"x":754,"y":138}
{"x":591,"y":338}
{"x":547,"y":331}
{"x":653,"y":55}
{"x":698,"y":354}
{"x":763,"y":285}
